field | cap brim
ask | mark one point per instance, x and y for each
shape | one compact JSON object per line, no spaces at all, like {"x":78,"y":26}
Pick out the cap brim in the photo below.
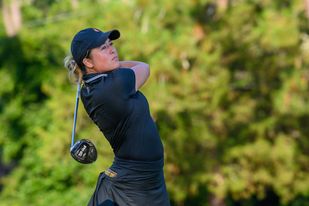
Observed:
{"x":112,"y":35}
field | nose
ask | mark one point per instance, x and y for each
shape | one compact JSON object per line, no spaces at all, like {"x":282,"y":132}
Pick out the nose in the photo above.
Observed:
{"x":112,"y":49}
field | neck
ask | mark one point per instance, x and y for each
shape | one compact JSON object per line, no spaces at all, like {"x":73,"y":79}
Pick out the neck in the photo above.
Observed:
{"x":92,"y":71}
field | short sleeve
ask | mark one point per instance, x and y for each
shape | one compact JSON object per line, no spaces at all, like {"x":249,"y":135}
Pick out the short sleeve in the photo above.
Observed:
{"x":123,"y":82}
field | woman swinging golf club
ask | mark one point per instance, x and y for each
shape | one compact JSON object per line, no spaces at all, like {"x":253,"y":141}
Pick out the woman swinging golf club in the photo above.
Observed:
{"x":110,"y":94}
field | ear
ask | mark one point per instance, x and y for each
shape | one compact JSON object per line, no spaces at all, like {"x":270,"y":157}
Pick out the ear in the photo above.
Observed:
{"x":88,"y":62}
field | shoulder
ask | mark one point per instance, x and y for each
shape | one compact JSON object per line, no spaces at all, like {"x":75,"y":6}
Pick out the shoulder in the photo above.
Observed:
{"x":124,"y":79}
{"x":122,"y":72}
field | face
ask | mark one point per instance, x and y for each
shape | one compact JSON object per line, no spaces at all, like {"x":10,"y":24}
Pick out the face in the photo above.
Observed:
{"x":103,"y":58}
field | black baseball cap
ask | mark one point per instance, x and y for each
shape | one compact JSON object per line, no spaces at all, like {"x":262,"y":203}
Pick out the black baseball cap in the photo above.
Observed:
{"x":88,"y":39}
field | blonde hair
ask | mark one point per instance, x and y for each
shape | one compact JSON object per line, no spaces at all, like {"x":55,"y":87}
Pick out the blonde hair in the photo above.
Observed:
{"x":74,"y":72}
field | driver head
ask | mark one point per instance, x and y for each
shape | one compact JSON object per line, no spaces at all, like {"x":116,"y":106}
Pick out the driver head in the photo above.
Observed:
{"x":84,"y":151}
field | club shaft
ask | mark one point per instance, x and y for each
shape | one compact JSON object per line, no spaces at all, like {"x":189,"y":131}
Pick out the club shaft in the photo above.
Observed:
{"x":75,"y":114}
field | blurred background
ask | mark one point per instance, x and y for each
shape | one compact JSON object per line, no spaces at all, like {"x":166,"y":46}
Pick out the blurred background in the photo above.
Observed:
{"x":228,"y":91}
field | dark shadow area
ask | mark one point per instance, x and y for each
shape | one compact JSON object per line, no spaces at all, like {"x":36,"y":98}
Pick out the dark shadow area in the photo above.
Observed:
{"x":108,"y":203}
{"x":6,"y":169}
{"x":271,"y":198}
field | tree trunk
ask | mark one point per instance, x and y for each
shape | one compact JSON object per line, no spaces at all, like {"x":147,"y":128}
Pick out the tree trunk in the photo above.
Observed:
{"x":306,"y":2}
{"x":74,"y":4}
{"x":216,"y":201}
{"x":11,"y":17}
{"x":222,"y":4}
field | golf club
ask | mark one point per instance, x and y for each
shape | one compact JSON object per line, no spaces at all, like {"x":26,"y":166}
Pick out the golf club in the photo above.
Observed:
{"x":84,"y":150}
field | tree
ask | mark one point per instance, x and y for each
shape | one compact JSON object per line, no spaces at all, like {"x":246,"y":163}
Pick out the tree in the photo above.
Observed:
{"x":228,"y":91}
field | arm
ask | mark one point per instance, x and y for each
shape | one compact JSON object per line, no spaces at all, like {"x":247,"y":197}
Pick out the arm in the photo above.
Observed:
{"x":141,"y":71}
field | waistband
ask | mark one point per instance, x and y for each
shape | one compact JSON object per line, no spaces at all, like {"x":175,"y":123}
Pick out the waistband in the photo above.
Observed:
{"x":137,"y":165}
{"x":136,"y":175}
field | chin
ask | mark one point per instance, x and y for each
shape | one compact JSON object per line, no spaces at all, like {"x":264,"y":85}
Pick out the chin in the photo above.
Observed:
{"x":117,"y":65}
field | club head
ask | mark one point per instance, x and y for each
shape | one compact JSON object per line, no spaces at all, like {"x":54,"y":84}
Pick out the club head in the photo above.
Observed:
{"x":84,"y":151}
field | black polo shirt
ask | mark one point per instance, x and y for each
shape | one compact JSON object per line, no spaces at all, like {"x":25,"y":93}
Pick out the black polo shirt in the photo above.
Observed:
{"x":122,"y":114}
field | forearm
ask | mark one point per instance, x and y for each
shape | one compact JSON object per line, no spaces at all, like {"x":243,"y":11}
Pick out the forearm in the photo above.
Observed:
{"x":130,"y":64}
{"x":141,"y":71}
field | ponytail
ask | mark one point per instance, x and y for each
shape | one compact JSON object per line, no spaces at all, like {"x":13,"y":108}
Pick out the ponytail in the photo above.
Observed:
{"x":74,"y":72}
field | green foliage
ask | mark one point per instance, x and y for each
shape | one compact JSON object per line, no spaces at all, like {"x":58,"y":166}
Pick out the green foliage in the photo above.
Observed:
{"x":228,"y":91}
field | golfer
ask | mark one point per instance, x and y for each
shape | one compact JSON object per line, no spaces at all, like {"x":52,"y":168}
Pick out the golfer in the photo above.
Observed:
{"x":110,"y":94}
